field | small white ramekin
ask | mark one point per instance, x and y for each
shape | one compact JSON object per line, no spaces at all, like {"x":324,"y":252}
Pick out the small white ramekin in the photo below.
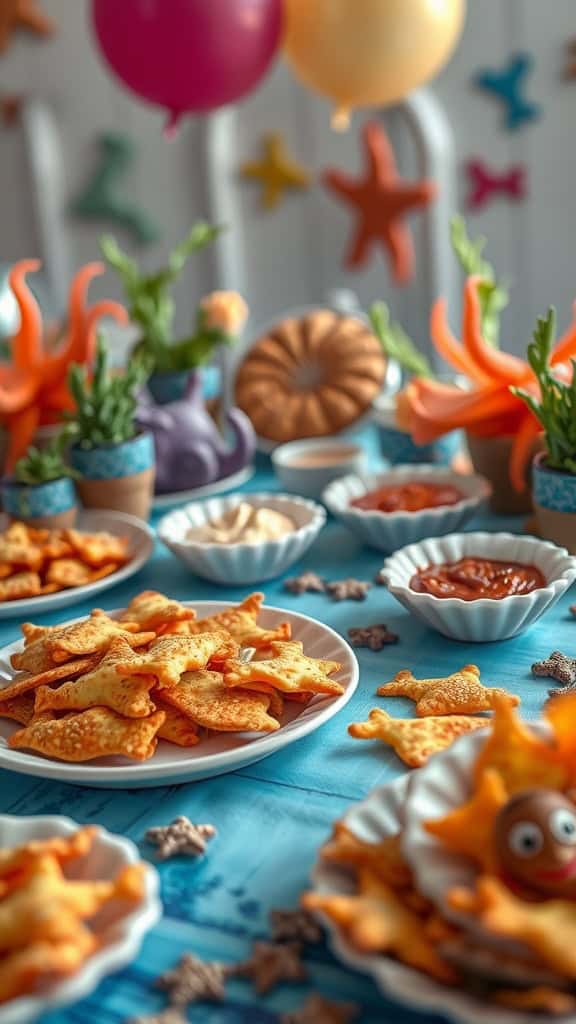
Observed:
{"x":310,"y":481}
{"x":486,"y":619}
{"x":239,"y":564}
{"x":390,"y":530}
{"x":109,"y":854}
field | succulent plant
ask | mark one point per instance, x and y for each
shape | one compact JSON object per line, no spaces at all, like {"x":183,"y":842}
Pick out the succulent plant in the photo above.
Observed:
{"x":106,"y":402}
{"x":41,"y":465}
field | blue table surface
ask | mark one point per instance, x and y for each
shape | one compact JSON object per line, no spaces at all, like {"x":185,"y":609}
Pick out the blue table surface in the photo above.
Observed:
{"x":272,"y":816}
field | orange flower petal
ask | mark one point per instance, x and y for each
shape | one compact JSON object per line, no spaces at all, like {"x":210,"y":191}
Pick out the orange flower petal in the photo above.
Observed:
{"x":499,"y":366}
{"x":449,"y":348}
{"x":27,"y":342}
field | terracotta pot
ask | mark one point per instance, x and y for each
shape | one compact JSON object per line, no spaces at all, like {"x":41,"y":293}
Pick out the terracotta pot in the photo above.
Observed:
{"x":118,"y":477}
{"x":554,"y":495}
{"x":52,"y":504}
{"x":491,"y":458}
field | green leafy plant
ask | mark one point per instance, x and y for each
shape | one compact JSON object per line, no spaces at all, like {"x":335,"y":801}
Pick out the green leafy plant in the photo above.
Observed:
{"x":41,"y":465}
{"x":396,"y":343}
{"x":151,"y":306}
{"x":556,"y":407}
{"x":106,"y":402}
{"x":493,"y":294}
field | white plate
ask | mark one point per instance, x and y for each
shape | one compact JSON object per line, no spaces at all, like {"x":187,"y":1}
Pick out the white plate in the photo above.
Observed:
{"x":378,"y":816}
{"x":227,"y":483}
{"x":108,"y":855}
{"x":141,"y":545}
{"x":223,"y":752}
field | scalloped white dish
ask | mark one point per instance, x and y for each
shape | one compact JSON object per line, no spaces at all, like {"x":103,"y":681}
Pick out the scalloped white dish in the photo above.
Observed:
{"x":485,"y":619}
{"x":122,"y":935}
{"x":241,"y":564}
{"x":387,"y":531}
{"x":217,"y":754}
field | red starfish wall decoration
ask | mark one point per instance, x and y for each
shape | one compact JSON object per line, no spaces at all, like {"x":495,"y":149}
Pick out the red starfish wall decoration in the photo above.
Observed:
{"x":382,"y":199}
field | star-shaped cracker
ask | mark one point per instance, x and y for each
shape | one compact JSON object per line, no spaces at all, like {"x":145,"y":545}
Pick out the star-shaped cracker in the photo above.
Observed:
{"x":19,"y":586}
{"x":19,"y":709}
{"x":469,"y":829}
{"x":385,"y":859}
{"x":317,"y":1010}
{"x":180,"y":838}
{"x":98,"y":549}
{"x":557,"y":666}
{"x":90,"y":636}
{"x":348,"y":590}
{"x":376,"y":921}
{"x":169,"y":657}
{"x":415,"y":740}
{"x":97,"y":732}
{"x":294,"y":926}
{"x":306,"y":582}
{"x":374,"y":637}
{"x":522,"y":759}
{"x":242,"y":624}
{"x":459,"y":693}
{"x":25,"y":682}
{"x":72,"y":572}
{"x":176,"y":728}
{"x":152,"y":610}
{"x":103,"y":687}
{"x":207,"y":701}
{"x":194,"y":980}
{"x":288,"y":670}
{"x":271,"y":963}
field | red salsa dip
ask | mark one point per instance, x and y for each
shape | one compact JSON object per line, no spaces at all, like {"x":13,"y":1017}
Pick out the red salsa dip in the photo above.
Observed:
{"x":472,"y":578}
{"x":412,"y":496}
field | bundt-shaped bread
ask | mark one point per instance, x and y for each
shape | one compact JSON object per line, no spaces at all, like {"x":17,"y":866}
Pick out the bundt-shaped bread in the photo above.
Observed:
{"x":310,"y":376}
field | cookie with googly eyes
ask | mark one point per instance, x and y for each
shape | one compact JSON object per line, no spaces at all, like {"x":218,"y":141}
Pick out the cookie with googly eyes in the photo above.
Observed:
{"x":535,"y":840}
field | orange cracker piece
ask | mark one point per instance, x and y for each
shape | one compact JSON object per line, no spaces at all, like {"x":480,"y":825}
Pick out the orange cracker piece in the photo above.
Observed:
{"x":56,"y":546}
{"x":25,"y":970}
{"x":5,"y":570}
{"x":152,"y":610}
{"x":19,"y":586}
{"x":204,"y":698}
{"x":385,"y":858}
{"x":469,"y":829}
{"x":21,"y":555}
{"x":540,"y":999}
{"x":457,"y":694}
{"x":71,"y":572}
{"x":97,"y":732}
{"x":547,"y":928}
{"x":92,"y":635}
{"x":97,"y":549}
{"x":103,"y":687}
{"x":288,"y":670}
{"x":25,"y":683}
{"x":176,"y":728}
{"x":376,"y":921}
{"x":20,"y":709}
{"x":241,"y":623}
{"x":60,"y":848}
{"x":170,"y":656}
{"x":415,"y":740}
{"x":561,"y":713}
{"x":523,"y":760}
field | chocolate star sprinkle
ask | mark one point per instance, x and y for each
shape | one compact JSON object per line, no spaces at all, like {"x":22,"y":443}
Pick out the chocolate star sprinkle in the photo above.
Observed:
{"x":317,"y":1010}
{"x":348,"y":590}
{"x":194,"y":980}
{"x":169,"y":1016}
{"x":294,"y":926}
{"x":373,"y":637}
{"x":181,"y":836}
{"x":270,"y":964}
{"x":307,"y":581}
{"x":558,"y":666}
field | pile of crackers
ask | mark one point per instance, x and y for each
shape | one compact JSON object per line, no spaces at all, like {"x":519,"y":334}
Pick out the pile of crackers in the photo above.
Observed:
{"x":34,"y":562}
{"x":114,"y":687}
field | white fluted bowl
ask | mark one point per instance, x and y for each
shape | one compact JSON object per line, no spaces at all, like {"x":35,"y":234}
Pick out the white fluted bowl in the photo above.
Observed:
{"x":486,"y":619}
{"x":122,"y":935}
{"x":241,"y":564}
{"x":388,"y":531}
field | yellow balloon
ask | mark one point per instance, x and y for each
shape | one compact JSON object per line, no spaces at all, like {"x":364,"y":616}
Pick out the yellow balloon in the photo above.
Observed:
{"x":364,"y":53}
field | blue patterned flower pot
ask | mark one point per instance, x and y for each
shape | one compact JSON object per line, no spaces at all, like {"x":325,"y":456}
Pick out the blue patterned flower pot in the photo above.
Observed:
{"x":117,"y":476}
{"x":554,"y":494}
{"x":398,"y":447}
{"x":51,"y":504}
{"x":168,"y":386}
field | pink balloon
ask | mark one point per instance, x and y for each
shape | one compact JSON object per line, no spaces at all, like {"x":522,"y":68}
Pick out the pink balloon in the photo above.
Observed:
{"x":188,"y":55}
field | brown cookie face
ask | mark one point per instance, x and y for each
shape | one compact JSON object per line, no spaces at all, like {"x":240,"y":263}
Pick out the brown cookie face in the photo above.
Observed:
{"x":535,"y":838}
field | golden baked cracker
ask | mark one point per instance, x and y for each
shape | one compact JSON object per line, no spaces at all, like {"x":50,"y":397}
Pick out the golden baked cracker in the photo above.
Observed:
{"x":289,"y":670}
{"x":170,"y":656}
{"x":24,"y":971}
{"x":385,"y":858}
{"x":376,"y":921}
{"x":469,"y":829}
{"x":31,"y":632}
{"x":97,"y":732}
{"x":20,"y":555}
{"x":18,"y":533}
{"x":25,"y":682}
{"x":103,"y":687}
{"x":20,"y":709}
{"x":456,"y":694}
{"x":539,"y":999}
{"x":5,"y":570}
{"x":203,"y":697}
{"x":97,"y":549}
{"x":176,"y":727}
{"x":71,"y":572}
{"x":60,"y":848}
{"x":561,"y":714}
{"x":20,"y":585}
{"x":415,"y":740}
{"x":56,"y":546}
{"x":34,"y":658}
{"x":523,"y":760}
{"x":92,"y":635}
{"x":241,"y":622}
{"x":152,"y":610}
{"x":50,"y":588}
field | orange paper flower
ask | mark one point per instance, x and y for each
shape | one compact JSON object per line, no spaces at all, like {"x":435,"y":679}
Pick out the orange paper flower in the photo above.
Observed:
{"x":34,"y":385}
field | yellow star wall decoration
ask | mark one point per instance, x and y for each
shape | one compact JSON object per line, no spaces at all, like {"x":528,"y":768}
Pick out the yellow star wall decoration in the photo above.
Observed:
{"x":276,"y":171}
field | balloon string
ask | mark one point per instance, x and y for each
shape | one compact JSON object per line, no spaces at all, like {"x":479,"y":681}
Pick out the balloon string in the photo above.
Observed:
{"x":341,"y":119}
{"x":171,"y":126}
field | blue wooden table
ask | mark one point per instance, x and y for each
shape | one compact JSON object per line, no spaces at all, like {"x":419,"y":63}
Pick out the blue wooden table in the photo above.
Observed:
{"x":272,"y":816}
